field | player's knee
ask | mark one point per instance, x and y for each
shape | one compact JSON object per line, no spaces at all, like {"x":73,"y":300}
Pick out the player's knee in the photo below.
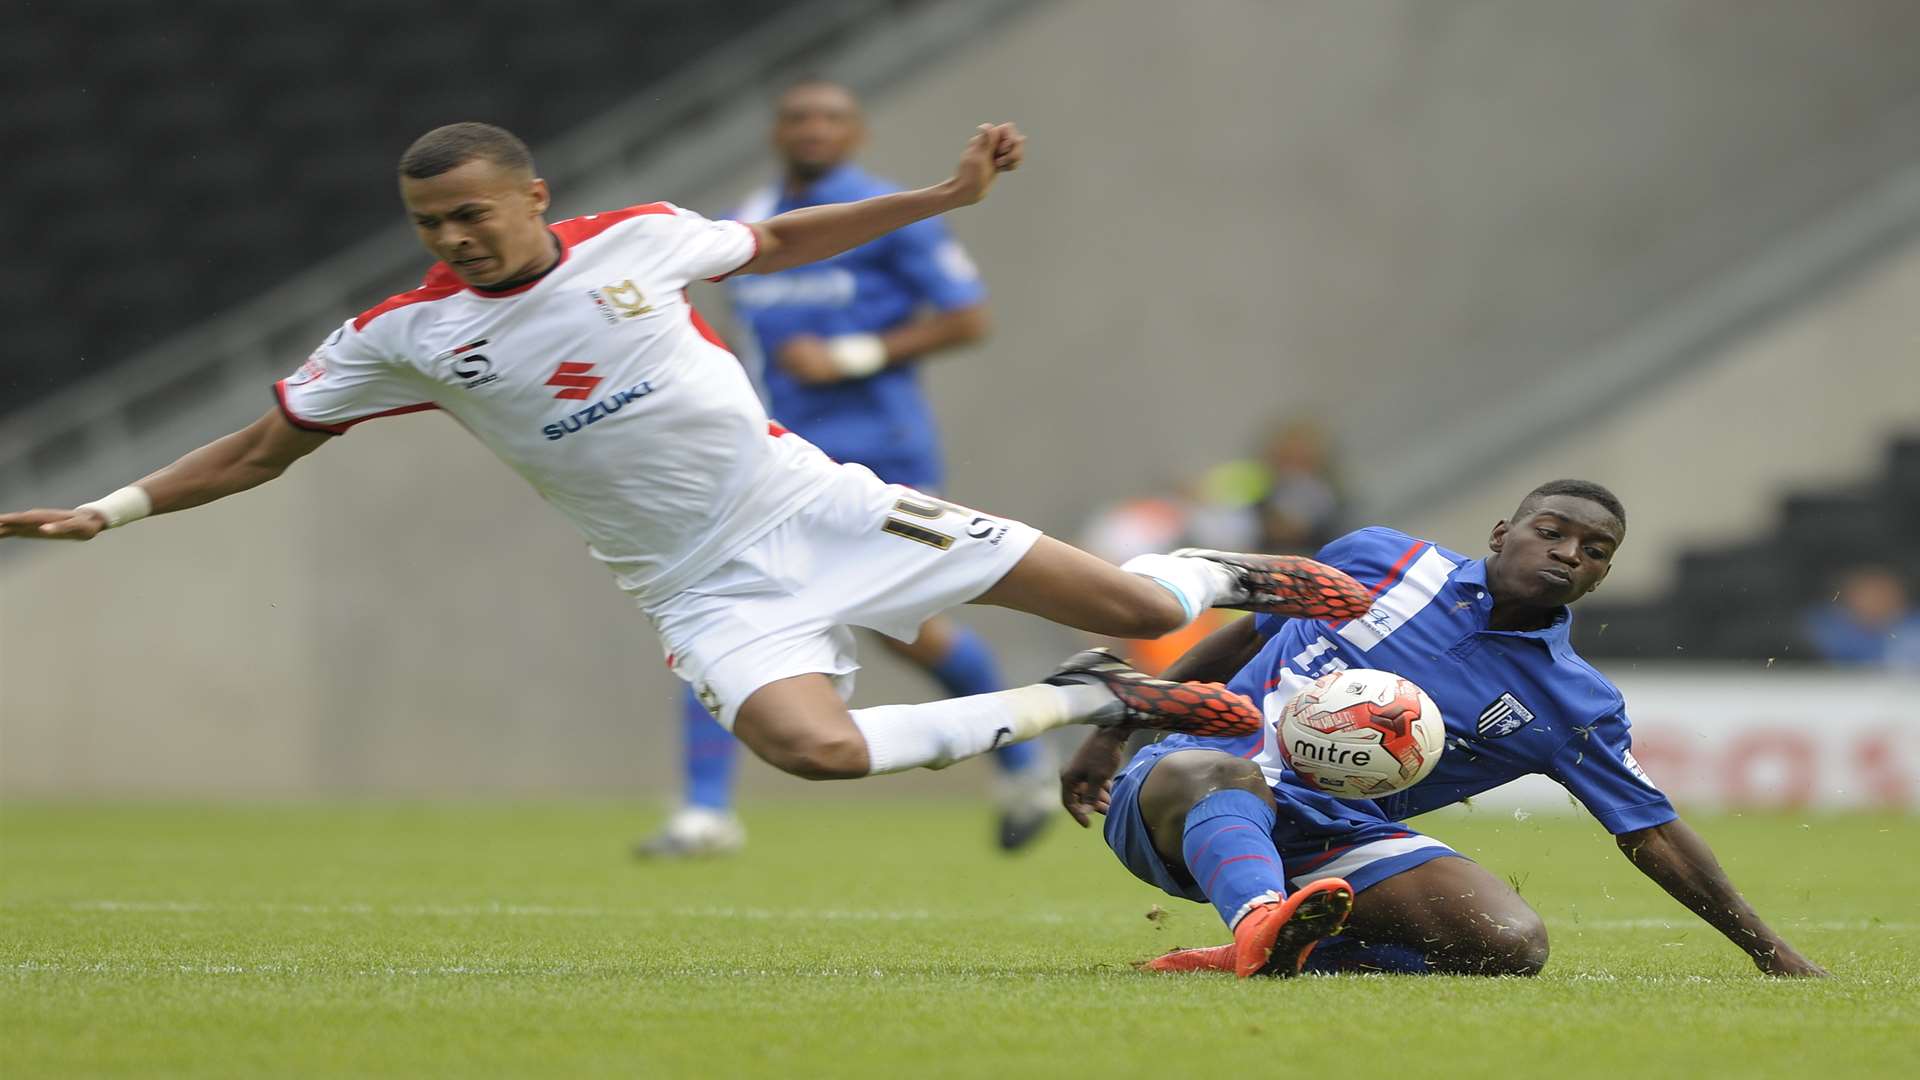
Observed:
{"x":1182,"y":779}
{"x":833,"y":757}
{"x":1520,"y":947}
{"x":1529,"y":956}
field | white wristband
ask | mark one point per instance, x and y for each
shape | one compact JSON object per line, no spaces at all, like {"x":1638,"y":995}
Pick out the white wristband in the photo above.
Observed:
{"x":857,"y":355}
{"x":129,"y":504}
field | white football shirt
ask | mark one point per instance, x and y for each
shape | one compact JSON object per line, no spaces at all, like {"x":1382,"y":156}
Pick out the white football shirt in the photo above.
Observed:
{"x":598,"y":382}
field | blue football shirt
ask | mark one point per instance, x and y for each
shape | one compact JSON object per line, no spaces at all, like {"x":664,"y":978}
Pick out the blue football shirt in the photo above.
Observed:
{"x":882,"y":421}
{"x":1514,"y":702}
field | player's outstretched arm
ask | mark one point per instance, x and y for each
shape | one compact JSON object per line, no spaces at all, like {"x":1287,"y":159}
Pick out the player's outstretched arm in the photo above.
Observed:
{"x":798,"y":237}
{"x":1679,"y":861}
{"x":245,"y":459}
{"x":1086,"y":783}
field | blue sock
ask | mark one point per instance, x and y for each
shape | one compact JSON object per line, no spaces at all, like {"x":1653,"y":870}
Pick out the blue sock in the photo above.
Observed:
{"x":711,"y":753}
{"x":968,"y":669}
{"x":1228,"y":846}
{"x":1342,"y":953}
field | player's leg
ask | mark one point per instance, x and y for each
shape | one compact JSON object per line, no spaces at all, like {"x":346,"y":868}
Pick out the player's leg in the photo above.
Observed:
{"x":1447,"y":916}
{"x":1453,"y":913}
{"x":1209,"y":819}
{"x":801,"y":725}
{"x":766,"y":638}
{"x":1419,"y":908}
{"x":704,"y":823}
{"x":962,"y":662}
{"x":1156,"y":594}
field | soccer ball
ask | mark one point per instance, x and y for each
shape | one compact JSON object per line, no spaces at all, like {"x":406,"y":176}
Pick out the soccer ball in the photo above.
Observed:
{"x":1360,"y":733}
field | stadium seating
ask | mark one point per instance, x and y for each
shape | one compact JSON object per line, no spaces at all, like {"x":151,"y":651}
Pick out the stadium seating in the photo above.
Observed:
{"x":166,"y":162}
{"x":1746,"y":601}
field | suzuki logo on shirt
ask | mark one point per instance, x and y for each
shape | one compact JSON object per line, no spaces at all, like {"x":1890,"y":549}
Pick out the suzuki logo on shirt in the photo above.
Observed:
{"x":597,"y":411}
{"x":575,"y":381}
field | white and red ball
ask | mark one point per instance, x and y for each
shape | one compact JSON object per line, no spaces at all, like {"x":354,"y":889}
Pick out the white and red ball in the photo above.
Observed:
{"x":1361,"y":733}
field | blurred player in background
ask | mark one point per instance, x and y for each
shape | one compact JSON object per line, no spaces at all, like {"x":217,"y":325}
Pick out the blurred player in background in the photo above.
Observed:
{"x":1227,"y":821}
{"x":1870,"y":622}
{"x":836,"y":347}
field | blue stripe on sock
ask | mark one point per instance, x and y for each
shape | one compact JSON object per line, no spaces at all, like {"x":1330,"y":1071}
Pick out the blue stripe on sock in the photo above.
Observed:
{"x":1186,"y":602}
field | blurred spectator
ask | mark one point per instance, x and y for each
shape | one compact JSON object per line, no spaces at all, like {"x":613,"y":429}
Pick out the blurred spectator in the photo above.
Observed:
{"x":1871,"y":622}
{"x":1286,"y":501}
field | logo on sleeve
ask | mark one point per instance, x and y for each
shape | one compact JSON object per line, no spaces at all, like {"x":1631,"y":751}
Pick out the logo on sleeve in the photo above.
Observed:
{"x":314,"y":368}
{"x":1626,"y":758}
{"x":1504,"y":717}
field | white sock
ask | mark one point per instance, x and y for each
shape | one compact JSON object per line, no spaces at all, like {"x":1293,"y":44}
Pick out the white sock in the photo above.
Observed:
{"x":939,"y":733}
{"x":1198,"y":583}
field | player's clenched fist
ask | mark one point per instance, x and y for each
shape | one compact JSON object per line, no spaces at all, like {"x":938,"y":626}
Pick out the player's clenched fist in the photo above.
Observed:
{"x":994,"y":148}
{"x":52,"y":524}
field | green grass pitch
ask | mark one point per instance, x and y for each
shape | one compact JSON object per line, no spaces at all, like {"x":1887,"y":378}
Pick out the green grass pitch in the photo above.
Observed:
{"x":874,"y":939}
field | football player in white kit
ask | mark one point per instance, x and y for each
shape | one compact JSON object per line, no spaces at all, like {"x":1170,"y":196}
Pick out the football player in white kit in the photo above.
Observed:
{"x":571,"y":351}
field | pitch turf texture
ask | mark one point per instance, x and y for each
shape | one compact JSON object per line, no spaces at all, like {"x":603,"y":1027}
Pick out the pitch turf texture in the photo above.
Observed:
{"x":874,"y":939}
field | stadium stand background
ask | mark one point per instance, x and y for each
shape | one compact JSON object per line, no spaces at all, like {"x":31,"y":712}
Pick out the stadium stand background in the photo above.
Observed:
{"x":168,"y":161}
{"x":1424,"y":219}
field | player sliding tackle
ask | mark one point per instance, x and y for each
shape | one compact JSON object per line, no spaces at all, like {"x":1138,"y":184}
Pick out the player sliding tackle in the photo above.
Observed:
{"x":572,"y":353}
{"x":1226,"y":821}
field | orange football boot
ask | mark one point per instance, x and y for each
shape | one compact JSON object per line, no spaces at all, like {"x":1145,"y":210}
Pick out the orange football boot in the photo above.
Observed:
{"x":1274,"y":938}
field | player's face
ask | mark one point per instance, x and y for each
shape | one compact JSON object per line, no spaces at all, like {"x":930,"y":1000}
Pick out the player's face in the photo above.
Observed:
{"x":818,"y":126}
{"x":1555,"y":555}
{"x":486,"y":222}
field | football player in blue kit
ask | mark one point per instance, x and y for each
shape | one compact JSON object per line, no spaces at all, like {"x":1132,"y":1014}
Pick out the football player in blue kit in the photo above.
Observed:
{"x":1307,"y":881}
{"x":835,"y":347}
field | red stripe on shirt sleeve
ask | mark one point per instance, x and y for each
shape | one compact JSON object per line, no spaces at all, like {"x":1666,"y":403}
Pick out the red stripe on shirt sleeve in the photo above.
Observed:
{"x":304,"y":424}
{"x":754,"y":235}
{"x":294,"y":418}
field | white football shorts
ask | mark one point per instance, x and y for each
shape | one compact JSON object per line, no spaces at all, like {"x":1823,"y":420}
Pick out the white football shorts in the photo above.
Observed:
{"x":861,"y":553}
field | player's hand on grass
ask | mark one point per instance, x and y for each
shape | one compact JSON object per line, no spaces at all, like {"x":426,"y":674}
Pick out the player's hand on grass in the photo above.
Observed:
{"x":994,"y":149}
{"x":1784,"y":961}
{"x":1086,"y":784}
{"x":52,"y":525}
{"x":805,"y":357}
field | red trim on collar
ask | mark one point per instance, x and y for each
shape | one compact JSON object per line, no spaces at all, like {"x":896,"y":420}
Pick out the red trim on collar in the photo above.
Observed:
{"x":569,"y":232}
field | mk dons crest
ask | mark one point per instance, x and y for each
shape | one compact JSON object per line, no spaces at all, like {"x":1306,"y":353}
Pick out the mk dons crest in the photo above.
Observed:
{"x":621,"y":301}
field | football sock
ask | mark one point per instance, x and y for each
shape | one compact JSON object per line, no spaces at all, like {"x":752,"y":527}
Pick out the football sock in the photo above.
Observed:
{"x":939,"y":733}
{"x":1197,"y":583}
{"x":1342,"y":953}
{"x":969,"y":669}
{"x":1228,"y":846}
{"x":711,"y":752}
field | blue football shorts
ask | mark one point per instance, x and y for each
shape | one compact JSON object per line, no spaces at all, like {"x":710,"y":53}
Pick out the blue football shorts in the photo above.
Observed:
{"x":1316,"y":834}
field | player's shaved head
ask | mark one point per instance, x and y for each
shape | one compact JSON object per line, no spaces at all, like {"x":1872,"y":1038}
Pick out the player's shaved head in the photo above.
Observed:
{"x":810,"y":85}
{"x":446,"y":148}
{"x":817,"y":125}
{"x":1579,"y":489}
